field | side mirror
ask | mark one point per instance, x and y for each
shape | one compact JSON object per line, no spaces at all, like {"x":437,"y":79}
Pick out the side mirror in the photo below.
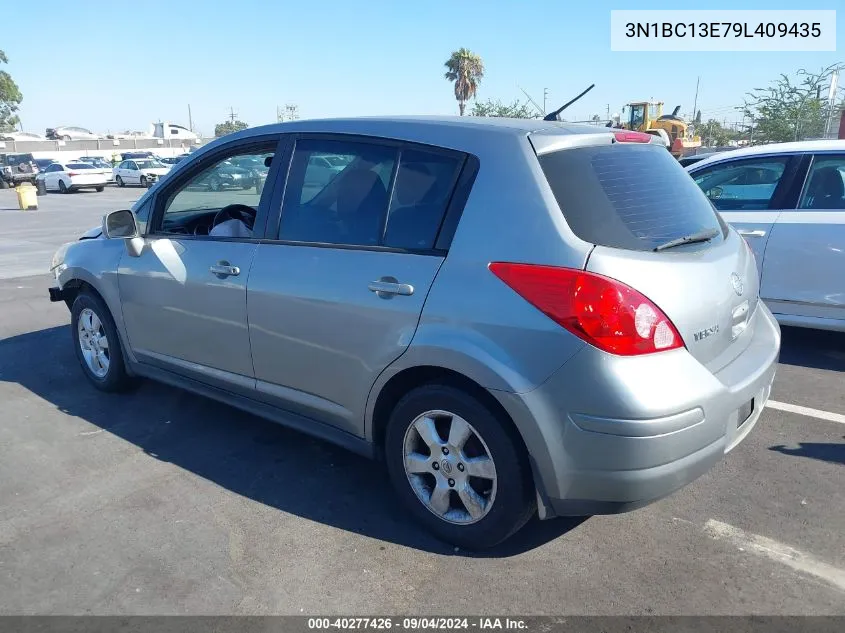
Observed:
{"x":120,"y":225}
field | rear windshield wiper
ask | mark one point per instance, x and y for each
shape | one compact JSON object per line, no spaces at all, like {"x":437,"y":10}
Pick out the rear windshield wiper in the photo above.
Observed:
{"x":701,"y":236}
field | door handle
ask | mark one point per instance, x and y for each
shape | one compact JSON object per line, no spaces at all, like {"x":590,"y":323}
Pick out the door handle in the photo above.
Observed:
{"x":387,"y":289}
{"x":751,"y":233}
{"x":224,"y":269}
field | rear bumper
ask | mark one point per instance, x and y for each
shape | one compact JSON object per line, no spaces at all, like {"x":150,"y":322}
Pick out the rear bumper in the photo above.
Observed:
{"x":77,"y":187}
{"x":652,"y":424}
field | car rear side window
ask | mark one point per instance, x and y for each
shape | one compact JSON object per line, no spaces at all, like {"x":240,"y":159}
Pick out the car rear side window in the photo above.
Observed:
{"x":634,"y":197}
{"x":424,"y":185}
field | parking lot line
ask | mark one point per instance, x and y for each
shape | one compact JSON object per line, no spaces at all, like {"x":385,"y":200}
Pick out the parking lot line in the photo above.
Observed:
{"x":776,"y":551}
{"x":813,"y":413}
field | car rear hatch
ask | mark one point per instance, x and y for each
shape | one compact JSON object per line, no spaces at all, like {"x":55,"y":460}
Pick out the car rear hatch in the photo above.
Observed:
{"x":655,"y":231}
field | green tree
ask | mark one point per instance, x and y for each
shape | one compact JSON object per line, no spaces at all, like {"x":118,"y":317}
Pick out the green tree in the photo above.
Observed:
{"x":10,"y":98}
{"x":790,"y":109}
{"x":465,"y":69}
{"x":227,"y":127}
{"x":515,"y":110}
{"x":714,"y":134}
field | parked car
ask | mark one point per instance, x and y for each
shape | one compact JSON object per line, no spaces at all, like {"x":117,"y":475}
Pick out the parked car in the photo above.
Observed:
{"x":17,"y":168}
{"x":20,"y":136}
{"x":788,"y":201}
{"x":139,"y":171}
{"x":43,"y":163}
{"x":692,"y":159}
{"x":65,"y":177}
{"x":170,"y":160}
{"x":139,"y":154}
{"x":227,"y":175}
{"x":69,"y":133}
{"x":101,"y":164}
{"x":592,"y":361}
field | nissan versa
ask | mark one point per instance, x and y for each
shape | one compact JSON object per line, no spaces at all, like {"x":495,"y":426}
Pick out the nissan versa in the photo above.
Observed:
{"x":516,"y":315}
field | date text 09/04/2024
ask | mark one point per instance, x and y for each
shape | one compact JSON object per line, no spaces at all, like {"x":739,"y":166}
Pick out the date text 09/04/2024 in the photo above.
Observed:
{"x":417,"y":623}
{"x":723,"y":29}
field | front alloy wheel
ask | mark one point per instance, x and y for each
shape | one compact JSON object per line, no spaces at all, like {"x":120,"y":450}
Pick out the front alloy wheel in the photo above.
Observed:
{"x":98,"y":344}
{"x":93,"y":343}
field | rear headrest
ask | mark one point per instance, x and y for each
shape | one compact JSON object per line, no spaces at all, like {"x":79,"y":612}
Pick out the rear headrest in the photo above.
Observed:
{"x":827,"y":183}
{"x":414,"y":180}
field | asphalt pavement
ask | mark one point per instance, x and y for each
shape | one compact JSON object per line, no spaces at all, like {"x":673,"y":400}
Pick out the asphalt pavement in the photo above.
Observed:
{"x":162,"y":502}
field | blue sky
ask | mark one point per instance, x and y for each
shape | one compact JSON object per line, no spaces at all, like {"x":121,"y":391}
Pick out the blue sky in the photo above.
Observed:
{"x":112,"y":66}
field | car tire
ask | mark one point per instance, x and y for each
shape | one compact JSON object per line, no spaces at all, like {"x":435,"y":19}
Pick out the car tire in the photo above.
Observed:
{"x":3,"y":184}
{"x":109,"y":374}
{"x":214,"y":184}
{"x":143,"y":182}
{"x":119,"y":181}
{"x":509,"y":493}
{"x":99,"y":189}
{"x":63,"y":187}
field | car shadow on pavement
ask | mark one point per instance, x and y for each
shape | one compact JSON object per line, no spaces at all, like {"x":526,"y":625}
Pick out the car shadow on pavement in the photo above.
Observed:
{"x":823,"y":451}
{"x":242,"y":453}
{"x":819,"y":349}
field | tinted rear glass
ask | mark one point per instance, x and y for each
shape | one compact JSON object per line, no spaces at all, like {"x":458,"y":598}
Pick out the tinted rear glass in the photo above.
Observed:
{"x":627,"y":196}
{"x":79,"y":166}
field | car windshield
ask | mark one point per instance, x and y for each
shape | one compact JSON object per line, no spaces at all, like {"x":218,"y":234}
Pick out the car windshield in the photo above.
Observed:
{"x":148,"y":164}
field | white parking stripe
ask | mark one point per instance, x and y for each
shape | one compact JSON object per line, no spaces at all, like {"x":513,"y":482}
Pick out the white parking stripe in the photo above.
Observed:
{"x":775,"y":551}
{"x":813,"y":413}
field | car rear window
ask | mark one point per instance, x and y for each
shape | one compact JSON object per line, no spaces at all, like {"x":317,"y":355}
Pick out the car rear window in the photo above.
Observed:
{"x":79,"y":166}
{"x":628,"y":196}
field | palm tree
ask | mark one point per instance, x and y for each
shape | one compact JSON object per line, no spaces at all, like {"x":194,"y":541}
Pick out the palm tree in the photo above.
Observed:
{"x":465,"y":69}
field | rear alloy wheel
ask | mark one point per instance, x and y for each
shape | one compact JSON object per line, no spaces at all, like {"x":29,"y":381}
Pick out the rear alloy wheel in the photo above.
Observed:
{"x":143,"y":181}
{"x":119,"y":181}
{"x":97,"y":344}
{"x":63,"y":187}
{"x":458,"y":467}
{"x":214,"y":184}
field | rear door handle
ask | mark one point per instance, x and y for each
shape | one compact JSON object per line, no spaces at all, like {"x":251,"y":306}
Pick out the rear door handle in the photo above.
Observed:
{"x":751,"y":233}
{"x":224,"y":269}
{"x":390,"y":288}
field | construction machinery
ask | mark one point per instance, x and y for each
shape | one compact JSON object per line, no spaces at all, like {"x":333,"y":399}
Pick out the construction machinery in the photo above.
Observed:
{"x":648,"y":117}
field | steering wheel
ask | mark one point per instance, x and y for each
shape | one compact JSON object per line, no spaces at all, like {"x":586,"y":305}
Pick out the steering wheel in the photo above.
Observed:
{"x":235,"y":212}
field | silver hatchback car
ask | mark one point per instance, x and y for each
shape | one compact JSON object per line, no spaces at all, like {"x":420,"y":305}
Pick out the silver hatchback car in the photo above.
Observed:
{"x":517,"y":316}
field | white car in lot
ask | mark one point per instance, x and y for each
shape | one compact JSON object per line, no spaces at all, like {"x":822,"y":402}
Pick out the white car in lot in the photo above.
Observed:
{"x":72,"y":176}
{"x":139,"y":171}
{"x":788,"y":201}
{"x":100,"y":164}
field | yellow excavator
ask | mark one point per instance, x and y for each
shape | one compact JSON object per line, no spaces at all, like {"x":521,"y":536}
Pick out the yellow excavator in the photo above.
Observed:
{"x":648,"y":117}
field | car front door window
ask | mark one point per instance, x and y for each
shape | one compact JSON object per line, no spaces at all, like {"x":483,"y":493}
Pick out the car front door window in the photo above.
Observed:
{"x":184,"y":297}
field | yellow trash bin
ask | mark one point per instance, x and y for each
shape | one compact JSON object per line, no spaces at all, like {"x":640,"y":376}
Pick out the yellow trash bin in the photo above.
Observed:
{"x":27,"y":198}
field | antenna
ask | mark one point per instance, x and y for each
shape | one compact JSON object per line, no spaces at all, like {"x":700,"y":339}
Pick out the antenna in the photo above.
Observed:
{"x":555,"y":116}
{"x":534,"y":103}
{"x":232,"y":114}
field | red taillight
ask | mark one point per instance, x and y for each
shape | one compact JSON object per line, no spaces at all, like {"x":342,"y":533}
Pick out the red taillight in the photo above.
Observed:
{"x":72,"y":174}
{"x":604,"y":312}
{"x":632,"y":137}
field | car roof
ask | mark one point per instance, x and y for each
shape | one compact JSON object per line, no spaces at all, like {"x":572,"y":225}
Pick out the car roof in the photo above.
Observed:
{"x":416,"y":128}
{"x":772,"y":149}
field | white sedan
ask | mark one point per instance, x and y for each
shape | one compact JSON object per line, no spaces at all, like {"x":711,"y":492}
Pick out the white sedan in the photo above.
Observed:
{"x":72,"y":176}
{"x":139,"y":171}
